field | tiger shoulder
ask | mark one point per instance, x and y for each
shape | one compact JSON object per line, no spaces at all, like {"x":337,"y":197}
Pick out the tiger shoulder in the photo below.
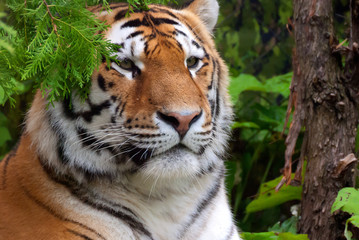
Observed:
{"x":142,"y":157}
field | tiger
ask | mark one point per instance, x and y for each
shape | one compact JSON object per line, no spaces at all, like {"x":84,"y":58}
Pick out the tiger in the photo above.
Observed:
{"x":143,"y":156}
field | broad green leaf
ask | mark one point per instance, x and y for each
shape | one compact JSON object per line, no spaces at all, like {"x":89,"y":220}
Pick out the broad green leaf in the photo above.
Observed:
{"x":268,"y":197}
{"x":244,"y":82}
{"x":347,"y":200}
{"x":354,"y":220}
{"x":244,"y":125}
{"x":273,"y":236}
{"x":279,"y":84}
{"x":289,"y":225}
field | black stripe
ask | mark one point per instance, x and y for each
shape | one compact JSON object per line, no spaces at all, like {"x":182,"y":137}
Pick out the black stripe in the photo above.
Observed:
{"x":139,"y":155}
{"x":179,"y":45}
{"x":159,"y":21}
{"x":204,"y":65}
{"x":83,"y":236}
{"x":61,"y":149}
{"x":165,"y":34}
{"x":212,"y":104}
{"x":196,"y":44}
{"x":148,"y":54}
{"x":217,"y":89}
{"x":148,"y":135}
{"x":203,"y":205}
{"x":56,"y":215}
{"x":90,"y":140}
{"x":180,"y":32}
{"x":90,"y":175}
{"x":194,"y":33}
{"x":80,"y":192}
{"x":136,"y":23}
{"x":95,"y":110}
{"x":132,"y":50}
{"x":68,"y":109}
{"x":121,"y":14}
{"x":123,"y":109}
{"x":134,"y":34}
{"x":101,"y":82}
{"x":211,"y":101}
{"x":6,"y":164}
{"x":211,"y":85}
{"x":171,"y":46}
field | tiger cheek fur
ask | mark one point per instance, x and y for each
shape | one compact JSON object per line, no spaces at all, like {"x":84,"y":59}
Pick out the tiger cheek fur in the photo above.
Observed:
{"x":142,"y":157}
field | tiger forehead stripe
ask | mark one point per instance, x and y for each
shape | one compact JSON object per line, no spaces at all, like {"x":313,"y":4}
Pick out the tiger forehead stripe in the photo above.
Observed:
{"x":145,"y":22}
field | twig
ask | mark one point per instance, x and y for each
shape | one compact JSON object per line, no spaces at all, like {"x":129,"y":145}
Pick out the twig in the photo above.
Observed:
{"x":52,"y":17}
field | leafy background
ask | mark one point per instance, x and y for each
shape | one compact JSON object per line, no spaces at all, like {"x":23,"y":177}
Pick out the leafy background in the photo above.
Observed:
{"x":254,"y":37}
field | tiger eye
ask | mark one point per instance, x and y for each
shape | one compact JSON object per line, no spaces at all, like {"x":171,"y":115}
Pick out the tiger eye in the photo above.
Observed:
{"x":126,"y":64}
{"x":192,"y":62}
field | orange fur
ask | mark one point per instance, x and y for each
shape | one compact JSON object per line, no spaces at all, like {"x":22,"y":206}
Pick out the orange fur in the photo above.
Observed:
{"x":27,"y":210}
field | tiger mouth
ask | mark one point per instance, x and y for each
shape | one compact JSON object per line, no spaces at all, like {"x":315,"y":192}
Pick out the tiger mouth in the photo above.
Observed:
{"x":140,"y":155}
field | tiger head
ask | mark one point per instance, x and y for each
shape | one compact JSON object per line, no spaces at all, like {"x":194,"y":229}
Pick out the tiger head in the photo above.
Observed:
{"x":161,"y":110}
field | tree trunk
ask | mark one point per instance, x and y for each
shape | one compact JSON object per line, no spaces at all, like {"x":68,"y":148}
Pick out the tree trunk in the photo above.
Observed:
{"x":326,"y":106}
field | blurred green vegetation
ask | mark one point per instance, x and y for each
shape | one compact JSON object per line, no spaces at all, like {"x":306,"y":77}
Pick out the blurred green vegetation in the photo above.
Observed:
{"x":254,"y":38}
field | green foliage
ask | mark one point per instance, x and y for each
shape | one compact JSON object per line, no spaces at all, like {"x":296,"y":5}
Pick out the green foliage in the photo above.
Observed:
{"x":273,"y":236}
{"x":246,"y":82}
{"x":347,"y":201}
{"x":57,"y":45}
{"x":252,"y":36}
{"x":281,"y":231}
{"x":268,"y":197}
{"x":289,"y":225}
{"x":8,"y":63}
{"x":143,"y":4}
{"x":254,"y":41}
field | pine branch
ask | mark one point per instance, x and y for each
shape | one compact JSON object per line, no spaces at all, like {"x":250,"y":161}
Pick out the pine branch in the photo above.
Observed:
{"x":54,"y":44}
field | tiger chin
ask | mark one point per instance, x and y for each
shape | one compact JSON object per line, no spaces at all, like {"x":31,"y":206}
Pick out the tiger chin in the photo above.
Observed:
{"x":142,"y":157}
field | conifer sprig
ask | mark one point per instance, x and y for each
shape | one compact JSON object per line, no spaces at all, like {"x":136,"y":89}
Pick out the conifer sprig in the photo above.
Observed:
{"x":55,"y":44}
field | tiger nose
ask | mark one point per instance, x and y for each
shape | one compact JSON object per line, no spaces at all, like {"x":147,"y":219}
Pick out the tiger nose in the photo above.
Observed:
{"x":180,"y":122}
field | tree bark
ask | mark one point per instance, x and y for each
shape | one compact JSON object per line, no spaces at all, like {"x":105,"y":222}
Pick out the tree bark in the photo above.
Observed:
{"x":326,"y":106}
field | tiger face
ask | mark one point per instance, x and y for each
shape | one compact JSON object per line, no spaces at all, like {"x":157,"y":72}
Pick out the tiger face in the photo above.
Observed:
{"x":161,"y":110}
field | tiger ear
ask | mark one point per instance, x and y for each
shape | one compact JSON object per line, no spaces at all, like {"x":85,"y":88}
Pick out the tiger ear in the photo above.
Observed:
{"x":206,"y":10}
